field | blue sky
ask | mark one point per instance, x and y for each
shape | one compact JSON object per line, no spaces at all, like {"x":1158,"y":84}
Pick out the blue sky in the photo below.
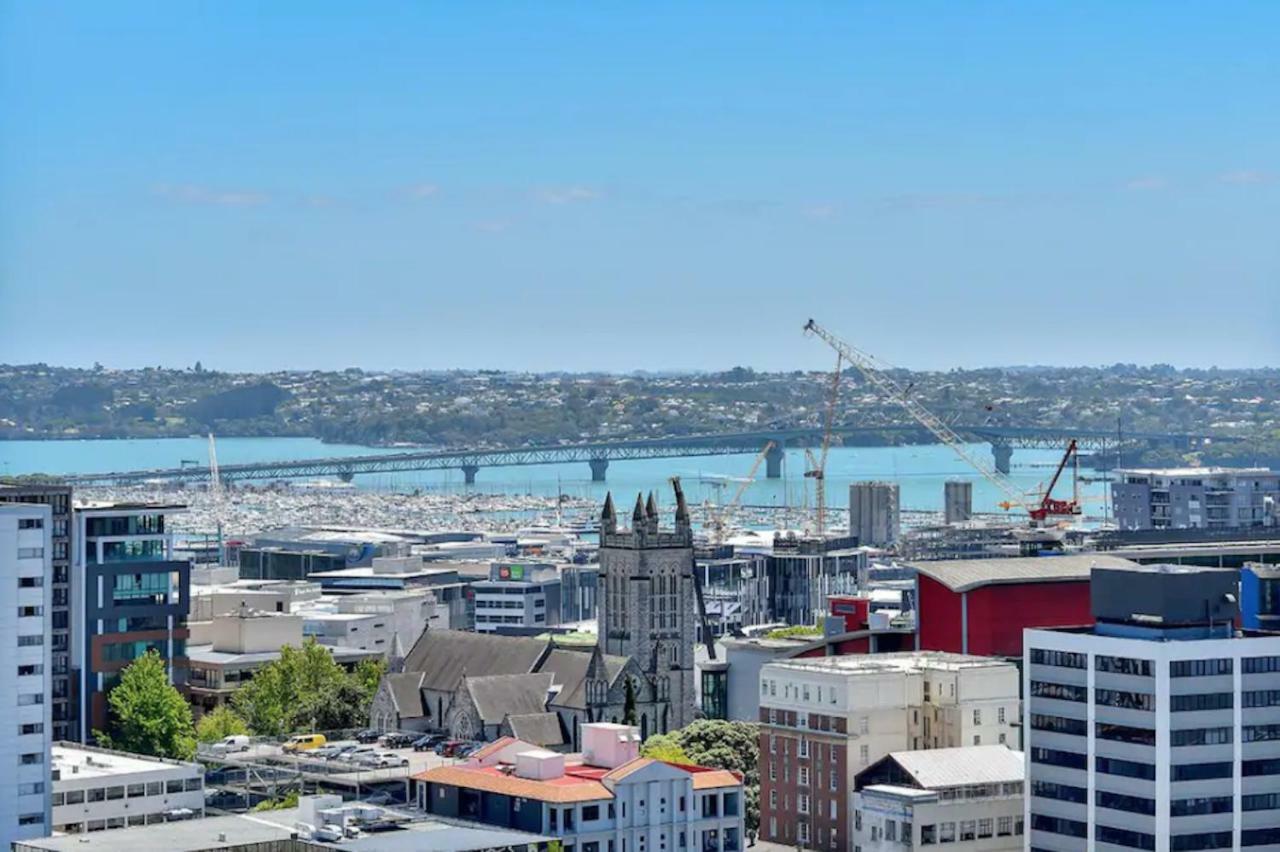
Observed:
{"x":642,"y":185}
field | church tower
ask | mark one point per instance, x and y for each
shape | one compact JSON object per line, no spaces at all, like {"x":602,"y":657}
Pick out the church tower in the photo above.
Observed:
{"x":647,"y":607}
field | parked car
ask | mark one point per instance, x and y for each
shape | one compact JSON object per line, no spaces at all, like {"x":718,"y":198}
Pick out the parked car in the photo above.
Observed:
{"x":428,"y":742}
{"x":466,"y":749}
{"x":303,"y":742}
{"x":329,"y":832}
{"x":398,"y":740}
{"x":391,"y":758}
{"x":368,"y":735}
{"x":226,"y":745}
{"x":356,"y":754}
{"x":445,"y":749}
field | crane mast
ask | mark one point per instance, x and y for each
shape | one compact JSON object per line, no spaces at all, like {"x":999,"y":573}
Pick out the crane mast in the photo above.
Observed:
{"x":875,"y":371}
{"x":818,"y":466}
{"x":719,"y":517}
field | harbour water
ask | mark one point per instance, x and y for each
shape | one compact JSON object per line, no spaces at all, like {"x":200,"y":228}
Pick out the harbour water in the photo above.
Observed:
{"x":919,"y":470}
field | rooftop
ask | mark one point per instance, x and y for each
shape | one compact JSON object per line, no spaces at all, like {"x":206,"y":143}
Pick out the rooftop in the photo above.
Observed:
{"x":205,"y":655}
{"x":955,"y":767}
{"x":89,"y":762}
{"x":962,"y":575}
{"x":869,"y":664}
{"x":1196,"y":471}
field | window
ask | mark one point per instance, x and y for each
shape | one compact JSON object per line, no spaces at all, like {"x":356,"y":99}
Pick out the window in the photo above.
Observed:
{"x":31,"y":758}
{"x":947,"y":832}
{"x":864,"y":754}
{"x":1000,"y":716}
{"x":173,"y":786}
{"x":1061,"y":792}
{"x":1125,"y":768}
{"x":31,"y":728}
{"x":977,"y":717}
{"x":1125,"y":734}
{"x":928,"y":834}
{"x":1204,"y":806}
{"x":803,"y":778}
{"x":75,"y":797}
{"x":1260,"y":665}
{"x":30,"y":669}
{"x":590,"y":813}
{"x":1201,"y":771}
{"x":30,"y":552}
{"x":30,"y":523}
{"x":802,"y":803}
{"x":30,"y":641}
{"x":1004,"y":826}
{"x":1201,"y":701}
{"x":1125,"y":837}
{"x":1061,"y":659}
{"x":1060,"y":691}
{"x":32,"y":789}
{"x":1260,"y":698}
{"x":135,"y":790}
{"x":1207,"y":840}
{"x":1118,"y":802}
{"x":1202,"y":736}
{"x":31,"y":819}
{"x":1054,"y":757}
{"x":1123,"y":665}
{"x":1261,"y":767}
{"x":97,"y":794}
{"x":115,"y":793}
{"x":1059,"y":724}
{"x":1125,"y":699}
{"x":1058,"y":825}
{"x":1199,"y":668}
{"x":30,"y":582}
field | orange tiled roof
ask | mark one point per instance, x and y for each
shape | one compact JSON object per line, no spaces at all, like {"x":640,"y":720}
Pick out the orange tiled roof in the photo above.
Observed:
{"x":620,"y":772}
{"x":563,"y":790}
{"x":715,"y":778}
{"x":493,"y":747}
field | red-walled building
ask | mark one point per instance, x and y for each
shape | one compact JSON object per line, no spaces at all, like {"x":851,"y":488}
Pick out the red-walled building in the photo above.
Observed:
{"x":981,"y":606}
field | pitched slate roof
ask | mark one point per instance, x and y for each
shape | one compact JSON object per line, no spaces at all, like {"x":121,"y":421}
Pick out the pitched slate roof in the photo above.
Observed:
{"x":407,"y":695}
{"x":570,"y":669}
{"x":542,"y":729}
{"x":444,"y":656}
{"x":498,"y":696}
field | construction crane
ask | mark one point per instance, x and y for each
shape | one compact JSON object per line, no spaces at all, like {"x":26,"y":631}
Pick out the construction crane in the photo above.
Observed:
{"x":720,"y":516}
{"x":818,"y":466}
{"x":876,"y":372}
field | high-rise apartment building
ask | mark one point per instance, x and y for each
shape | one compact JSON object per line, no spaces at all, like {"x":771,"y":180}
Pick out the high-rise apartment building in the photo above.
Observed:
{"x":1159,"y":727}
{"x":64,"y":707}
{"x":825,"y":719}
{"x":1196,"y":498}
{"x":25,"y":728}
{"x":646,"y":605}
{"x":130,"y":596}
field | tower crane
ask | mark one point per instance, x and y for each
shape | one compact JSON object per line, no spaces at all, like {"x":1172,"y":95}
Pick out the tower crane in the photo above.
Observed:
{"x":818,"y":466}
{"x":876,"y":372}
{"x":719,"y":517}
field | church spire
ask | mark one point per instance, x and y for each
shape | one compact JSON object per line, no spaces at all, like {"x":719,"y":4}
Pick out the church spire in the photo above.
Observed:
{"x":683,"y":522}
{"x":651,"y":513}
{"x":637,"y":515}
{"x":608,"y":517}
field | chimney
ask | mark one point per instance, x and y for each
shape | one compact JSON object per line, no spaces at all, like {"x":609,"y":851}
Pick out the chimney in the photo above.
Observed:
{"x":609,"y":745}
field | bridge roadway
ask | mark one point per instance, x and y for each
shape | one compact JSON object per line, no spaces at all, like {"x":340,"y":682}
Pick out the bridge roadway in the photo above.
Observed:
{"x":1003,"y":440}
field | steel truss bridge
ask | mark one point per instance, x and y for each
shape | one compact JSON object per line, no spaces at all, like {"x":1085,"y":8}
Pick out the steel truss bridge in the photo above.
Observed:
{"x":1003,"y":440}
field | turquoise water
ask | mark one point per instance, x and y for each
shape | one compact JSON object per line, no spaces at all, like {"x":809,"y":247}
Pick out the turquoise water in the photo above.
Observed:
{"x":919,"y":470}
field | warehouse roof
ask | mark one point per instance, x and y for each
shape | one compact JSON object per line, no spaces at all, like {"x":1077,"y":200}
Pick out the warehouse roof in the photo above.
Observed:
{"x":961,"y":575}
{"x":957,"y":767}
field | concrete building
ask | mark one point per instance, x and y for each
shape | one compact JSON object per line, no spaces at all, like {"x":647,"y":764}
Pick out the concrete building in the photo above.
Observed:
{"x":873,"y":513}
{"x":824,"y":720}
{"x":1260,"y":597}
{"x":96,"y":789}
{"x":982,"y":606}
{"x":735,"y":589}
{"x":647,"y":610}
{"x":971,"y":796}
{"x":605,"y":798}
{"x":130,"y":596}
{"x":518,"y":598}
{"x":26,"y":572}
{"x":1196,"y":497}
{"x":1159,"y":727}
{"x":957,"y":501}
{"x":240,"y":644}
{"x":62,"y":690}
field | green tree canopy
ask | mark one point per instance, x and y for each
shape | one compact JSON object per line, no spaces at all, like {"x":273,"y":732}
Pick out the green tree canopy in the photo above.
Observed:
{"x":220,"y":723}
{"x":147,"y":715}
{"x":306,"y":690}
{"x":664,"y":747}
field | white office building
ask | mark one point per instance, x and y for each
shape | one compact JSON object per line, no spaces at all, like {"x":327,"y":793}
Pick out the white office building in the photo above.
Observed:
{"x":972,"y":796}
{"x":1159,"y":727}
{"x":26,"y":574}
{"x":96,"y":789}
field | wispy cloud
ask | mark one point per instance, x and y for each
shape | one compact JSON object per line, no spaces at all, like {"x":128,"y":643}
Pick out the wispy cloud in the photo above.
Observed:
{"x":1247,"y":177}
{"x":422,"y":190}
{"x":820,"y":212}
{"x":1149,"y":183}
{"x":492,"y":226}
{"x":190,"y":193}
{"x":568,"y":194}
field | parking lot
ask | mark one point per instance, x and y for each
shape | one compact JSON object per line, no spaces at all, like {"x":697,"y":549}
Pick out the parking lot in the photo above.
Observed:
{"x":265,"y":755}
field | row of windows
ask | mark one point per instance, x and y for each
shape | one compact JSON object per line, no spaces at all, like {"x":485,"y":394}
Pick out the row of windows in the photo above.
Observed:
{"x":1261,"y":767}
{"x":105,"y":794}
{"x":1122,"y":665}
{"x":1059,"y":825}
{"x":1201,"y":736}
{"x":945,"y":832}
{"x":1059,"y":724}
{"x":1260,"y":698}
{"x":1125,"y":699}
{"x":1260,"y":665}
{"x":1125,"y":734}
{"x":1059,"y":691}
{"x":1202,"y":701}
{"x":1061,"y":792}
{"x":1061,"y":659}
{"x":1260,"y":733}
{"x":1201,"y":806}
{"x":1125,"y":768}
{"x":1200,"y":668}
{"x":1206,"y":840}
{"x":1119,"y":802}
{"x":1259,"y":802}
{"x":1201,"y":771}
{"x":1125,"y":837}
{"x":1054,"y":757}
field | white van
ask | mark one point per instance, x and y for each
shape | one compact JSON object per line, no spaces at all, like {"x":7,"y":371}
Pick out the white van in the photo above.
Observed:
{"x":236,"y":742}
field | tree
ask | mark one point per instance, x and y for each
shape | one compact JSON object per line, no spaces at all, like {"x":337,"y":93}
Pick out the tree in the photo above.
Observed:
{"x":726,"y":745}
{"x":664,"y":747}
{"x":629,"y":704}
{"x":147,"y":715}
{"x":218,"y":724}
{"x":305,"y":690}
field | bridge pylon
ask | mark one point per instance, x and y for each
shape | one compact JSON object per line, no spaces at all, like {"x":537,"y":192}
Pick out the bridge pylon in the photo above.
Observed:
{"x":773,"y":460}
{"x":599,"y":467}
{"x":469,"y":472}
